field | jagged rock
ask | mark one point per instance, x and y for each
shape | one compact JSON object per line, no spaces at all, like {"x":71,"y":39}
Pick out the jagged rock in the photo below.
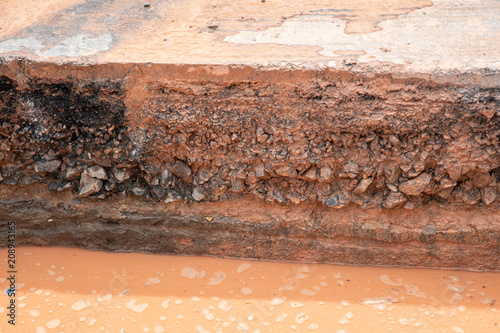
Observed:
{"x":416,"y":185}
{"x":351,"y":168}
{"x":197,"y":193}
{"x":287,"y":171}
{"x":323,"y":190}
{"x":49,"y":166}
{"x":325,"y":173}
{"x":108,"y":186}
{"x":260,"y":171}
{"x":394,"y":199}
{"x":158,"y":191}
{"x":375,"y":201}
{"x":445,"y":193}
{"x":89,"y":185}
{"x":26,"y":180}
{"x":481,"y":179}
{"x":203,"y":175}
{"x":446,"y":183}
{"x":338,"y":200}
{"x":275,"y":194}
{"x":237,"y":185}
{"x":70,"y":173}
{"x":392,"y":172}
{"x":455,"y":172}
{"x":165,"y":177}
{"x":311,"y":174}
{"x":488,"y":195}
{"x":469,"y":197}
{"x":96,"y":171}
{"x":391,"y":187}
{"x":172,"y":196}
{"x":138,"y":190}
{"x":294,"y":197}
{"x":220,"y":189}
{"x":182,"y":171}
{"x":55,"y":186}
{"x":409,"y":205}
{"x":122,"y":175}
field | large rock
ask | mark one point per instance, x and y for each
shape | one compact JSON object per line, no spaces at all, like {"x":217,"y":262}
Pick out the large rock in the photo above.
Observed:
{"x":89,"y":185}
{"x":416,"y":185}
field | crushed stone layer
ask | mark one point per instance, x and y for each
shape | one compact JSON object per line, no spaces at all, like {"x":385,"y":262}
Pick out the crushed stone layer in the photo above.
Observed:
{"x":170,"y":133}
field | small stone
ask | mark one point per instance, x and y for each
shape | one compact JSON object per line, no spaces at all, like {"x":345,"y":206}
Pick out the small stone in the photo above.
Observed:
{"x":49,"y":166}
{"x":55,"y":186}
{"x":237,"y":185}
{"x":394,"y":199}
{"x":287,"y":171}
{"x":294,"y":197}
{"x":488,"y":195}
{"x":165,"y":177}
{"x":101,"y":195}
{"x":338,"y":200}
{"x":276,"y":194}
{"x":363,"y":185}
{"x":1,"y":177}
{"x":197,"y":193}
{"x":391,"y":187}
{"x":325,"y":173}
{"x":146,"y":5}
{"x":108,"y":186}
{"x":351,"y":168}
{"x":455,"y":172}
{"x":260,"y":171}
{"x":138,"y":190}
{"x":181,"y":170}
{"x":409,"y":205}
{"x":392,"y":172}
{"x":70,"y":173}
{"x":89,"y":185}
{"x":10,"y":182}
{"x":204,"y":176}
{"x":158,"y":192}
{"x":172,"y":196}
{"x":416,"y":185}
{"x":481,"y":179}
{"x":374,"y":202}
{"x":26,"y":180}
{"x":122,"y":175}
{"x":96,"y":171}
{"x":445,"y":193}
{"x":446,"y":183}
{"x":471,"y":197}
{"x":220,"y":189}
{"x":311,"y":174}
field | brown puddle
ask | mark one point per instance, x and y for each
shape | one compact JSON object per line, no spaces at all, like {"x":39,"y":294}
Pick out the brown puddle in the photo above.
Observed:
{"x":73,"y":290}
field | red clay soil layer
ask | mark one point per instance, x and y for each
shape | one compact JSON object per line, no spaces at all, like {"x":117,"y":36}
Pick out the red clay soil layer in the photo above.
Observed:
{"x":341,"y":166}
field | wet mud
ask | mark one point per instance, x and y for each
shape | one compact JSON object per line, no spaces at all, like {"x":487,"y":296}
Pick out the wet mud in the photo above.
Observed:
{"x":74,"y":290}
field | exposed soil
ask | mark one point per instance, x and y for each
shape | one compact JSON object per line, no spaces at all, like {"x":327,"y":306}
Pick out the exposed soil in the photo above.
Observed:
{"x":420,"y":149}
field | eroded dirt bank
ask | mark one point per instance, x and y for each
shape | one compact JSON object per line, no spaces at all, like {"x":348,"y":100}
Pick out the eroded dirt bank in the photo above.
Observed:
{"x":345,"y":162}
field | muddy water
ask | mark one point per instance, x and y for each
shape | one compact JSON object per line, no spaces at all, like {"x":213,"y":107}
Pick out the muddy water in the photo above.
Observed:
{"x":72,"y":290}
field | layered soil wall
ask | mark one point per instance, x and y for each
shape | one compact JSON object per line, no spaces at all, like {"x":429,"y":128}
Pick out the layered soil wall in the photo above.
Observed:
{"x":336,"y":165}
